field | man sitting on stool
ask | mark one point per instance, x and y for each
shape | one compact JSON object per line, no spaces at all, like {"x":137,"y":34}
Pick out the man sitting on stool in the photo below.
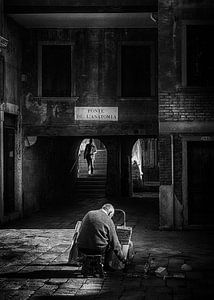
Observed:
{"x":97,"y":235}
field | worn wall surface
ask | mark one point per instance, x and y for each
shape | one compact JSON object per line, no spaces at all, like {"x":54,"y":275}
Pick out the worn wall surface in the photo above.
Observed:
{"x":13,"y":62}
{"x":182,"y":110}
{"x":96,"y":79}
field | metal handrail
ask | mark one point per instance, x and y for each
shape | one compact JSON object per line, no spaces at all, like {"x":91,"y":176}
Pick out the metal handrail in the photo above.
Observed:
{"x":71,"y":169}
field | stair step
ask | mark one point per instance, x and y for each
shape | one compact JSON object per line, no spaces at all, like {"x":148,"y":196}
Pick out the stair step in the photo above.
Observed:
{"x":92,"y":185}
{"x":89,"y":182}
{"x":92,"y":178}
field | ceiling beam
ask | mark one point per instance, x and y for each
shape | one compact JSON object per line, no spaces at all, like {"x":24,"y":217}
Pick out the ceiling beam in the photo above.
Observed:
{"x":79,"y":6}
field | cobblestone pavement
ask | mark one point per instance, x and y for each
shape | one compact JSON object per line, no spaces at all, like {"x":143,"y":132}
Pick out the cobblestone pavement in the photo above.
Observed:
{"x":34,"y":253}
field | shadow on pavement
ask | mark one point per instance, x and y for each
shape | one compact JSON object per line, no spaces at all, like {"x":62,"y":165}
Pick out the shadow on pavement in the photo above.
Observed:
{"x":43,"y":274}
{"x":105,"y":296}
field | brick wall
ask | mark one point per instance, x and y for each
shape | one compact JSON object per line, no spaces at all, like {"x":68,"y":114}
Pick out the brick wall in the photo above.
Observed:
{"x":165,"y":160}
{"x":186,"y":107}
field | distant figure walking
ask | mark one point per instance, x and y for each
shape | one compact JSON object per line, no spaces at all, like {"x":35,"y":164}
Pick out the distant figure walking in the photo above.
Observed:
{"x":89,"y":155}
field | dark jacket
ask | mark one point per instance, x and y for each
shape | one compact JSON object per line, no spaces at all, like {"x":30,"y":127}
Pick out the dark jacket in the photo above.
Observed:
{"x":90,"y":150}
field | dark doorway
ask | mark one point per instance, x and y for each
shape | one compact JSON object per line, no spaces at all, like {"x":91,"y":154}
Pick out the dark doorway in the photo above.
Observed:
{"x":9,"y":163}
{"x":200,"y":182}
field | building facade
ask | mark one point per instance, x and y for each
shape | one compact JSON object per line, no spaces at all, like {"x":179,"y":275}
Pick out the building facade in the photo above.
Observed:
{"x":140,"y":70}
{"x":186,"y":113}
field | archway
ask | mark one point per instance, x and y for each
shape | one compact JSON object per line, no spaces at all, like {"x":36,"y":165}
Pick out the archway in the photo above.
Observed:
{"x":92,"y":185}
{"x":145,"y":170}
{"x":100,"y":159}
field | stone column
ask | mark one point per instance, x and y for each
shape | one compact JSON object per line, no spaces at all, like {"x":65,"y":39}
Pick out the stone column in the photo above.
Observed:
{"x":113,"y":166}
{"x":126,"y":165}
{"x":126,"y":180}
{"x":1,"y":164}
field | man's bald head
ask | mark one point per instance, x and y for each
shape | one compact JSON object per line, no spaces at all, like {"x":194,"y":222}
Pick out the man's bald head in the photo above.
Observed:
{"x":109,"y":209}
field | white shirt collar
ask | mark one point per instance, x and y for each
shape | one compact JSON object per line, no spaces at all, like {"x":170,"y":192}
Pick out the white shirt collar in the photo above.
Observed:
{"x":104,"y":211}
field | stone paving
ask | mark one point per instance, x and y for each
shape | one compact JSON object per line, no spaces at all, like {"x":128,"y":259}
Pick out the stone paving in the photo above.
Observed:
{"x":34,"y":253}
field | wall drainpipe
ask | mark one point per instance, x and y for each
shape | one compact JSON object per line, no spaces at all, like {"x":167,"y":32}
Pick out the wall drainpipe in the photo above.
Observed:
{"x":172,"y":175}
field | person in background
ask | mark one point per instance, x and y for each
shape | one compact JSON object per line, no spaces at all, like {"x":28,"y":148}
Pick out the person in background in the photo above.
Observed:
{"x":97,"y":235}
{"x":89,"y":155}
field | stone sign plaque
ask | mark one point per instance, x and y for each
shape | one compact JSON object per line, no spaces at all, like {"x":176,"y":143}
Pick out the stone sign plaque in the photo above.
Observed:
{"x":96,"y":114}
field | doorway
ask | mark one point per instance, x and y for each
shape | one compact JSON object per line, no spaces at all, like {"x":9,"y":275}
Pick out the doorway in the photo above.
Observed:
{"x":92,"y":185}
{"x":145,"y":171}
{"x":200,"y":157}
{"x":100,"y":159}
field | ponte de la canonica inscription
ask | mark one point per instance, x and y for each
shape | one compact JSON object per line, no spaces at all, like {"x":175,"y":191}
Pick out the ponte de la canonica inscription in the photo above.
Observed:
{"x":96,"y":113}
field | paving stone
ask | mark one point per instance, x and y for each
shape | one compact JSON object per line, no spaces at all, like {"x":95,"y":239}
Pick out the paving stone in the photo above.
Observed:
{"x":22,"y":295}
{"x":43,"y":253}
{"x":203,"y":293}
{"x":176,"y":261}
{"x":87,"y":293}
{"x":63,"y":292}
{"x":165,"y":297}
{"x":6,"y":295}
{"x":91,"y":286}
{"x":107,"y":296}
{"x":33,"y":285}
{"x":183,"y":297}
{"x":174,"y":282}
{"x":151,"y":297}
{"x":178,"y":290}
{"x":159,"y":290}
{"x":132,"y":283}
{"x":153,"y":282}
{"x":133,"y":295}
{"x":194,"y":275}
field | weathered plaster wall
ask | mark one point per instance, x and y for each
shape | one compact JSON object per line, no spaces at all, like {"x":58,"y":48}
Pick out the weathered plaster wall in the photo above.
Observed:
{"x":13,"y":62}
{"x":96,"y":79}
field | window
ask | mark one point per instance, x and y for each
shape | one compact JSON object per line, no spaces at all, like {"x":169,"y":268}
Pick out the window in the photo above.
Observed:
{"x":137,"y":70}
{"x":199,"y":55}
{"x":55,"y":63}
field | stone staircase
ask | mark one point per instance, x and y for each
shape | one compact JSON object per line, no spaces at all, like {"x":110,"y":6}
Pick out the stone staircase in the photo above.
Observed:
{"x":92,"y":185}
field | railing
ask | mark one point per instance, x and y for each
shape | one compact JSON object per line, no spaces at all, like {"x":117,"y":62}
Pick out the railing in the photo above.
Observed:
{"x":74,"y":164}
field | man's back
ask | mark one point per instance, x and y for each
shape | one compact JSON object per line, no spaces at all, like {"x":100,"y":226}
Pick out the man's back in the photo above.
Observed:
{"x":97,"y":231}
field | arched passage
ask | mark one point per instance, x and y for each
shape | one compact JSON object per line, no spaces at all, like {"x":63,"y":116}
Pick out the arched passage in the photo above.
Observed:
{"x":87,"y":183}
{"x":145,"y":170}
